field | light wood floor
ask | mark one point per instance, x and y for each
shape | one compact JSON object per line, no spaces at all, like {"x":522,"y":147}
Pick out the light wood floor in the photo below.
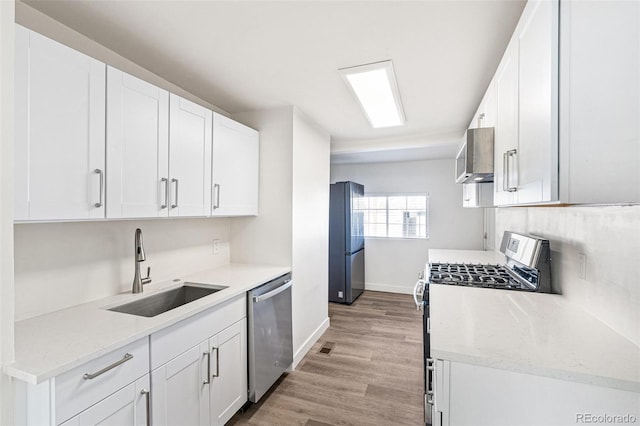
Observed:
{"x":371,"y":376}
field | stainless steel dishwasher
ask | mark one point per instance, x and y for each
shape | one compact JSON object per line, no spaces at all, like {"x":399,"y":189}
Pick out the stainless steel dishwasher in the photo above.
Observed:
{"x":270,"y":336}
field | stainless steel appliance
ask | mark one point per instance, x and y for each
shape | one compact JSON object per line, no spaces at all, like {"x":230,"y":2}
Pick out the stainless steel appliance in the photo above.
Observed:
{"x":346,"y":242}
{"x":270,"y":337}
{"x":527,"y":268}
{"x":474,"y":162}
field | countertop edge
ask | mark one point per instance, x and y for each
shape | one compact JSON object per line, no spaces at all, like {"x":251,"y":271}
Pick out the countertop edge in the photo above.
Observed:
{"x":587,"y":379}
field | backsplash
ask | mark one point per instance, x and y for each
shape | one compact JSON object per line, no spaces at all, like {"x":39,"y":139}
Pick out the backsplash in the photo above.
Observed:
{"x":58,"y":265}
{"x":609,"y":237}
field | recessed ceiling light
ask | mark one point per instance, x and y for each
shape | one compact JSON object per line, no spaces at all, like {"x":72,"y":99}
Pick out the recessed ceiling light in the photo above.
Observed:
{"x":375,"y":88}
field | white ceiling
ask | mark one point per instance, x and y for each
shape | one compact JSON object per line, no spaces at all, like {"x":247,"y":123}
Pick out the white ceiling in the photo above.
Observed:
{"x":247,"y":55}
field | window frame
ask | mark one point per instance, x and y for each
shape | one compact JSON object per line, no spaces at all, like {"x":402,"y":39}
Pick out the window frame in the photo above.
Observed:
{"x":386,"y":210}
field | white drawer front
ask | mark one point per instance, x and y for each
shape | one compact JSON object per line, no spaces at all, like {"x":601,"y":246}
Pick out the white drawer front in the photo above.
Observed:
{"x":169,"y":343}
{"x":75,"y":393}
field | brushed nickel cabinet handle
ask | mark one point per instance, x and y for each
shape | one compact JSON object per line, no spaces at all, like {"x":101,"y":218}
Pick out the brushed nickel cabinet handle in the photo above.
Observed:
{"x":166,"y":192}
{"x":147,"y":394}
{"x":101,"y":174}
{"x":216,"y":189}
{"x":217,"y":363}
{"x":505,"y":172}
{"x":89,"y":376}
{"x":175,"y":204}
{"x":208,"y":381}
{"x":511,"y":154}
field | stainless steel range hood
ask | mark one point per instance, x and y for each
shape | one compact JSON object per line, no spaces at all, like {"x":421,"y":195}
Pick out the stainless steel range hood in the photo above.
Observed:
{"x":474,"y":162}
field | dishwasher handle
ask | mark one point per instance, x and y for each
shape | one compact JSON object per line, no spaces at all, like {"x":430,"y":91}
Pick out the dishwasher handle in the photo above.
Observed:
{"x":274,"y":292}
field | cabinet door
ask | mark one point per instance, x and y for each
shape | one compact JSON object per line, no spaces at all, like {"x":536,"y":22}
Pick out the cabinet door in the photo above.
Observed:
{"x":490,"y":107}
{"x":137,"y":147}
{"x":59,"y":131}
{"x":470,"y":195}
{"x":127,"y":407}
{"x":189,"y":158}
{"x":181,"y":389}
{"x":229,"y":384}
{"x":600,"y":101}
{"x":506,"y":129}
{"x":235,"y":168}
{"x":485,"y":116}
{"x":537,"y":154}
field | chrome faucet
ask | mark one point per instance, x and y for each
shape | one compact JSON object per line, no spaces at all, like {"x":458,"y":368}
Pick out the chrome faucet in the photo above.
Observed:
{"x":139,"y":256}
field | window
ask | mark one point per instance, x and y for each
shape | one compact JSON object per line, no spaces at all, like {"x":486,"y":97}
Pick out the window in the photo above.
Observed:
{"x":395,"y":216}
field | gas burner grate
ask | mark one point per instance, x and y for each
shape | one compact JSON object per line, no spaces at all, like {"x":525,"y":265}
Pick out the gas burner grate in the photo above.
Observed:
{"x":473,"y":275}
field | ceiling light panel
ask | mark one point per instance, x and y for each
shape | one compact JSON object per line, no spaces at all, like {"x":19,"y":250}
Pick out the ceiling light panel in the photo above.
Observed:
{"x":375,"y":88}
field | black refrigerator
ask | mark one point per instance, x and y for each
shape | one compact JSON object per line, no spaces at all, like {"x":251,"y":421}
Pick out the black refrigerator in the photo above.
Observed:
{"x":346,"y":242}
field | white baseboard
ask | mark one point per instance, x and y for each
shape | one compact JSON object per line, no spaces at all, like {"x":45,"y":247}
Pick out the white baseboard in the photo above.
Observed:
{"x":300,"y":353}
{"x":389,"y":288}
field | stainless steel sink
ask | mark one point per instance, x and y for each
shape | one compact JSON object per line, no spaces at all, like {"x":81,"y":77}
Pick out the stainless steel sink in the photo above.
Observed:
{"x":167,"y":300}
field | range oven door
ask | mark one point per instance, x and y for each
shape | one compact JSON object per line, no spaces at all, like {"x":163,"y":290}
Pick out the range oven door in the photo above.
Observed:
{"x":421,"y":298}
{"x":428,"y":369}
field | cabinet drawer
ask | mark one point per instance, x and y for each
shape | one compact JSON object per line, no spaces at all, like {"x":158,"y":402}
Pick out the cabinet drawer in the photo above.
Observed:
{"x":75,"y":393}
{"x":169,"y":343}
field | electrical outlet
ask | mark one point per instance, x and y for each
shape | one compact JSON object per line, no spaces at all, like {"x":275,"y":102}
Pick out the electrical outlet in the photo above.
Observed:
{"x":582,"y":266}
{"x":216,"y":246}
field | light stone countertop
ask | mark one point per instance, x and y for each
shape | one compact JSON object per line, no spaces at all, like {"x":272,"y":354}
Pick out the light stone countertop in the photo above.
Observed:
{"x":534,"y":333}
{"x":54,"y":343}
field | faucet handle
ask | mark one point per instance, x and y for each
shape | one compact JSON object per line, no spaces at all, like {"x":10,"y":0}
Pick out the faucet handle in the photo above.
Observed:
{"x":147,"y":279}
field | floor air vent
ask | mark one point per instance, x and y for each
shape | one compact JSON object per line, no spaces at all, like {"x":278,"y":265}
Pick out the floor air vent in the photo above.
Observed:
{"x":326,"y":348}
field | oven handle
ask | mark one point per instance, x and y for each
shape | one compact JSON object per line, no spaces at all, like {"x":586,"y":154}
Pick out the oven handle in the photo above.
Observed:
{"x":419,"y":288}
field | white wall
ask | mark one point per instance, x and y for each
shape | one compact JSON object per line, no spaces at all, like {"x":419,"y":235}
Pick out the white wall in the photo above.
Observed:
{"x":609,"y":236}
{"x":6,"y":207}
{"x":267,"y":238}
{"x":310,"y":233}
{"x":292,"y":228}
{"x":393,"y":264}
{"x":58,"y":265}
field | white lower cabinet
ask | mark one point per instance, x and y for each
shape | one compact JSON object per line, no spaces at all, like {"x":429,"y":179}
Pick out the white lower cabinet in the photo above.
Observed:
{"x":127,"y":407}
{"x":205,"y":385}
{"x":474,"y":395}
{"x":193,"y":372}
{"x":110,"y":390}
{"x":228,"y":391}
{"x":199,"y":367}
{"x":181,"y":390}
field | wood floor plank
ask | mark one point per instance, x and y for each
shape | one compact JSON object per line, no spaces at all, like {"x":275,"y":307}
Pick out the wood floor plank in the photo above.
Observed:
{"x":371,"y":375}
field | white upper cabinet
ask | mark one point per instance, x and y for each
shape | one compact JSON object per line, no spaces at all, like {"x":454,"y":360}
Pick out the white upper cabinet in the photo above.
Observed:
{"x":59,"y":131}
{"x":600,"y":101}
{"x":75,"y":117}
{"x":189,"y":158}
{"x":526,"y":85}
{"x":236,"y":151}
{"x":137,"y":147}
{"x":537,"y":153}
{"x":568,"y":105}
{"x":506,"y":128}
{"x":158,"y":151}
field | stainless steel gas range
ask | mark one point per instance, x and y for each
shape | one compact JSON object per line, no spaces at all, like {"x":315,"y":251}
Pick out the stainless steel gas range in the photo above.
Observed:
{"x":527,"y":267}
